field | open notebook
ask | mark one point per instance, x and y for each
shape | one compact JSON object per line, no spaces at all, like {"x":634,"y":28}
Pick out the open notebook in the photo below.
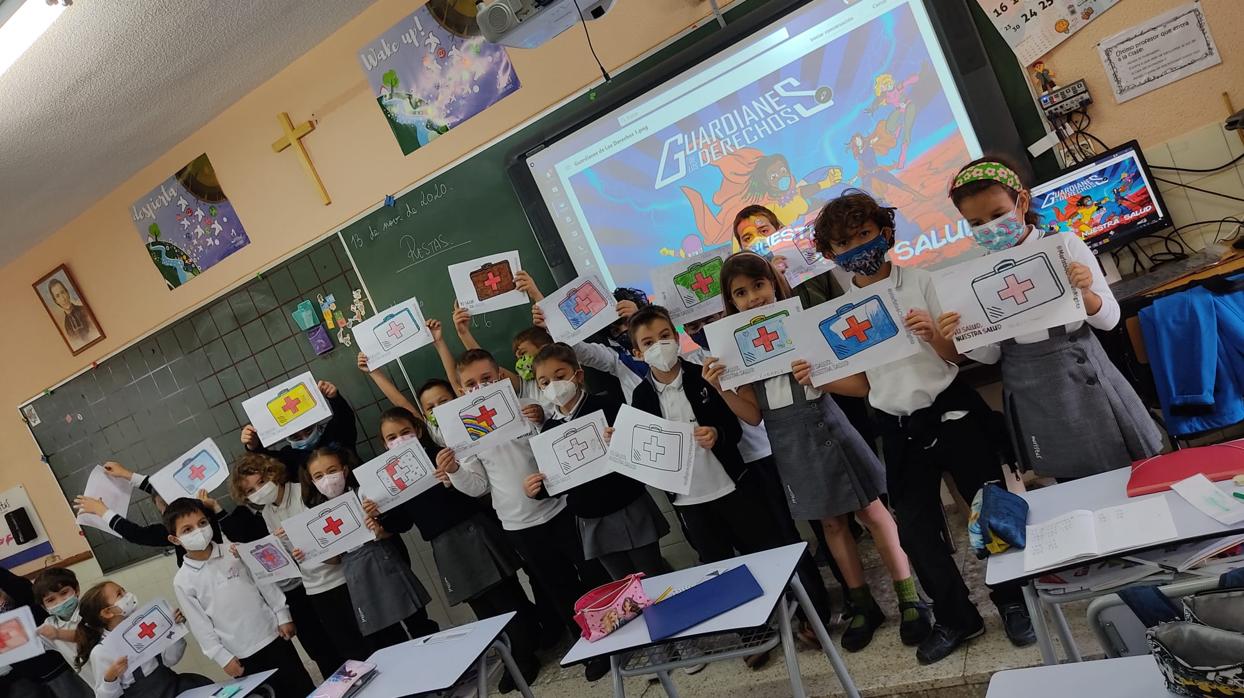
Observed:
{"x":1085,"y":534}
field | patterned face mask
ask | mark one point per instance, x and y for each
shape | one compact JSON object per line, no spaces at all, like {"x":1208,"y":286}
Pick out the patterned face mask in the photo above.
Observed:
{"x":1000,"y":233}
{"x":866,"y":259}
{"x":523,"y":367}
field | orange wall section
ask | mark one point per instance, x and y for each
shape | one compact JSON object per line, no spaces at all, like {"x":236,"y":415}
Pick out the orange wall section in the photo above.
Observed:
{"x":357,"y":158}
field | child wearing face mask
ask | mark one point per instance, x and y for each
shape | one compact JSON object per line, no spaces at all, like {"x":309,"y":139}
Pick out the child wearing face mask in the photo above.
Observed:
{"x":1054,"y":381}
{"x":104,"y":606}
{"x":46,"y":675}
{"x":243,"y":626}
{"x":390,"y":603}
{"x":608,"y":368}
{"x":319,"y":601}
{"x":619,"y":523}
{"x":57,"y":589}
{"x":338,"y":431}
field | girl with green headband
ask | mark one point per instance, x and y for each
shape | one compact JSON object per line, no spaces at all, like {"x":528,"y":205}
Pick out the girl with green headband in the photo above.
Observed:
{"x":1070,"y":411}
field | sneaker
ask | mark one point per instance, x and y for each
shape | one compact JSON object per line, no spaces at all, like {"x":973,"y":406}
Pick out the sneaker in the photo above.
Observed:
{"x":595,"y":669}
{"x":1017,"y":624}
{"x":861,"y":625}
{"x":944,"y":640}
{"x":913,"y":632}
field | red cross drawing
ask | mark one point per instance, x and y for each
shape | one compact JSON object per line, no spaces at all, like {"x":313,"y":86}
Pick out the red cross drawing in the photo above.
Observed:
{"x":395,"y":329}
{"x":485,"y":416}
{"x":196,"y":472}
{"x":291,"y":404}
{"x":765,"y":338}
{"x":492,"y":281}
{"x":584,"y":303}
{"x":857,"y":330}
{"x":1016,"y":290}
{"x":577,"y":449}
{"x":702,"y":282}
{"x":146,"y":631}
{"x":332,"y":525}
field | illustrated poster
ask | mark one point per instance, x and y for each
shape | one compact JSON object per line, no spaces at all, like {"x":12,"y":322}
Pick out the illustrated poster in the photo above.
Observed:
{"x":482,"y":419}
{"x":268,"y":560}
{"x":396,"y":476}
{"x":19,"y":636}
{"x":854,"y":332}
{"x":486,"y":284}
{"x":655,"y":451}
{"x":579,"y":310}
{"x":573,"y":453}
{"x":329,"y":529}
{"x":22,"y":536}
{"x":144,"y":634}
{"x":287,"y":409}
{"x":754,"y":345}
{"x":201,"y":468}
{"x":392,"y":333}
{"x":188,"y":224}
{"x":1010,"y":293}
{"x":690,"y":289}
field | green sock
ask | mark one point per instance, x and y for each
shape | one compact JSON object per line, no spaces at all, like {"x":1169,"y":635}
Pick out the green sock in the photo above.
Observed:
{"x":861,"y":599}
{"x":905,"y":589}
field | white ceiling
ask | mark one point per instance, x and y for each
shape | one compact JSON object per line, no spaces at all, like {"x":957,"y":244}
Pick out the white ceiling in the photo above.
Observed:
{"x":116,"y":83}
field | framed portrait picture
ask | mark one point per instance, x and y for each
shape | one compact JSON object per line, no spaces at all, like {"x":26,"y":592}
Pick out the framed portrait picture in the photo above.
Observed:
{"x":68,"y":310}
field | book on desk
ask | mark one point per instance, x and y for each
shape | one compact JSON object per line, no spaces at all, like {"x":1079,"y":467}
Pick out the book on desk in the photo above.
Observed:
{"x":1087,"y":534}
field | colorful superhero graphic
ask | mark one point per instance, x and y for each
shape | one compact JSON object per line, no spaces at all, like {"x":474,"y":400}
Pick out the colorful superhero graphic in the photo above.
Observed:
{"x":870,"y":173}
{"x":901,"y":99}
{"x":1079,"y":215}
{"x":1096,"y":201}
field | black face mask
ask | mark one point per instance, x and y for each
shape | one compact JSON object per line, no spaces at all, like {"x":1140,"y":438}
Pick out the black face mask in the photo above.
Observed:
{"x":699,"y":338}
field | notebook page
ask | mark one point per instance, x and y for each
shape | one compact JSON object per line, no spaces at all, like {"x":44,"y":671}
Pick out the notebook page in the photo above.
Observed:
{"x":1059,"y":540}
{"x":1135,"y":524}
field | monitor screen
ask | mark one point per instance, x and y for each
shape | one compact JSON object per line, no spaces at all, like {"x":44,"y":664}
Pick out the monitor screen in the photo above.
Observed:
{"x":1108,"y":201}
{"x":829,"y":97}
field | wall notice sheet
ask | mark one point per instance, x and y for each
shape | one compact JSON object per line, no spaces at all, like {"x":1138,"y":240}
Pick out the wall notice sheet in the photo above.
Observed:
{"x":1033,"y":27}
{"x":1083,"y":533}
{"x":756,"y":344}
{"x":144,"y":634}
{"x":655,"y":451}
{"x":268,"y":560}
{"x":203,"y":467}
{"x":573,"y":453}
{"x":852,"y":333}
{"x":287,"y":409}
{"x":334,"y":527}
{"x":579,"y":310}
{"x":392,"y":333}
{"x":690,"y":289}
{"x":114,"y":492}
{"x":483,"y":419}
{"x":1009,"y":294}
{"x":486,"y":284}
{"x":396,"y":476}
{"x":1155,"y":53}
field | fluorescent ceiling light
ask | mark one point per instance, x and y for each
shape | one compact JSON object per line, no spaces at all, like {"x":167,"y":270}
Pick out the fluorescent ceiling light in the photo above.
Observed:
{"x":24,"y":27}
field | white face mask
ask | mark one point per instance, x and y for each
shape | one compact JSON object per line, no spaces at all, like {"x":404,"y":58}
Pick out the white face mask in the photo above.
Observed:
{"x":560,"y":392}
{"x":331,"y":485}
{"x":263,"y":495}
{"x":402,"y":440}
{"x":128,"y":603}
{"x":196,"y":540}
{"x":663,"y":355}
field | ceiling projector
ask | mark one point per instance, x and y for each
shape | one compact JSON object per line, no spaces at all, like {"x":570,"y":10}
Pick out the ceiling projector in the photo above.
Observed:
{"x":529,"y":23}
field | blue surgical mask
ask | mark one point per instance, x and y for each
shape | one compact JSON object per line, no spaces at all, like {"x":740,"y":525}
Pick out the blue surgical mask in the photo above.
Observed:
{"x":866,"y":259}
{"x":1000,"y":233}
{"x":64,"y":610}
{"x":309,"y":441}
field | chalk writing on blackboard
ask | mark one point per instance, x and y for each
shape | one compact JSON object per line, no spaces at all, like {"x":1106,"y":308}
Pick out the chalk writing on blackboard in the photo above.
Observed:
{"x":420,"y":252}
{"x":411,"y":203}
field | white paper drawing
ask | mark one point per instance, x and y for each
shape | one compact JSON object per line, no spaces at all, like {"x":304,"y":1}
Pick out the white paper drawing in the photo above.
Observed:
{"x":1010,"y":293}
{"x":201,"y":468}
{"x":653,"y":450}
{"x":754,"y":345}
{"x":690,"y":289}
{"x":486,"y":284}
{"x":287,"y":409}
{"x":268,"y":560}
{"x":579,"y":310}
{"x":573,"y":453}
{"x":114,"y":492}
{"x":854,"y":332}
{"x":482,"y":419}
{"x":392,"y":333}
{"x":396,"y":476}
{"x":145,"y":633}
{"x":19,"y":637}
{"x":334,"y":527}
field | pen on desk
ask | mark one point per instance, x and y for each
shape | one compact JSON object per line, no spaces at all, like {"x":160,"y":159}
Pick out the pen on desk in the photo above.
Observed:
{"x":664,"y":594}
{"x":1238,"y":495}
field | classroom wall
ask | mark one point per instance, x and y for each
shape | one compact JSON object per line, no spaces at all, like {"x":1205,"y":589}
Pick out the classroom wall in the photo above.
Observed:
{"x":357,"y":158}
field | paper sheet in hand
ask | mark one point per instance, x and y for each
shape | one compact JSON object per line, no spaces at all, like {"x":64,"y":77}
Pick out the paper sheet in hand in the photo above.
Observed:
{"x":573,"y":453}
{"x":579,"y":310}
{"x":1210,"y":500}
{"x":392,"y":333}
{"x":114,"y":492}
{"x":396,"y":476}
{"x":287,"y":409}
{"x":853,"y":333}
{"x":483,"y":419}
{"x":1010,"y":293}
{"x":268,"y":560}
{"x":334,"y":527}
{"x":486,"y":284}
{"x":754,"y":345}
{"x":798,"y":248}
{"x":655,"y":451}
{"x":201,"y":468}
{"x":144,"y":634}
{"x":690,"y":289}
{"x":19,"y":636}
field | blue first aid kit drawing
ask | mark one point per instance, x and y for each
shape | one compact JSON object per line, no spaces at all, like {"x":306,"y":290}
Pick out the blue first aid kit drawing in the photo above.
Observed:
{"x":396,"y":328}
{"x":764,"y":338}
{"x":858,"y":326}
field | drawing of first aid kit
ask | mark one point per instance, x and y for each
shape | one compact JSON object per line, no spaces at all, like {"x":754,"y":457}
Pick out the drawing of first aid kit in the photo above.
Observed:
{"x":401,"y":471}
{"x":700,"y":282}
{"x":764,"y":338}
{"x":582,"y":304}
{"x":148,"y":629}
{"x":486,"y":414}
{"x":291,"y":404}
{"x":492,"y":280}
{"x":269,"y":556}
{"x":333,"y":523}
{"x":650,"y":444}
{"x":196,"y":470}
{"x":858,"y":326}
{"x":396,"y":328}
{"x":1015,"y":287}
{"x":578,"y":447}
{"x":807,"y":248}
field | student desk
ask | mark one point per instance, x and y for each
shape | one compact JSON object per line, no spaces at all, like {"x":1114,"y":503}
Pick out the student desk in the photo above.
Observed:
{"x":1126,"y":677}
{"x":249,"y":685}
{"x":436,"y":662}
{"x":1094,"y":492}
{"x":774,"y":570}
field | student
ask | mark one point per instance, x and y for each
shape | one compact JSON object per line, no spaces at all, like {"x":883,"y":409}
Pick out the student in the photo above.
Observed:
{"x":390,"y":603}
{"x":619,"y":523}
{"x":477,"y":566}
{"x":319,"y":602}
{"x":338,"y":431}
{"x":445,"y":390}
{"x":931,"y":422}
{"x":1054,"y":381}
{"x":47,"y":675}
{"x":242,"y":626}
{"x":56,"y":588}
{"x":607,"y":369}
{"x":104,"y":607}
{"x":827,"y":470}
{"x":542,"y":531}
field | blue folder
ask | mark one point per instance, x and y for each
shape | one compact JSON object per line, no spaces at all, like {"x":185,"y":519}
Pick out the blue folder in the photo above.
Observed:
{"x":701,"y":602}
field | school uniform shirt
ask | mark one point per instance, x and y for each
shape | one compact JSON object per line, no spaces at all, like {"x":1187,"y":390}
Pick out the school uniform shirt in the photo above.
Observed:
{"x":501,"y":471}
{"x":101,"y":660}
{"x":229,"y":614}
{"x":316,"y":579}
{"x":709,"y":480}
{"x":904,"y":386}
{"x":1106,"y":317}
{"x":754,"y":444}
{"x":607,"y":360}
{"x":67,"y":648}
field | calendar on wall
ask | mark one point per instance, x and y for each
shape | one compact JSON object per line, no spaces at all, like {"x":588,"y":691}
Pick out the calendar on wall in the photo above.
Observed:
{"x":1034,"y":27}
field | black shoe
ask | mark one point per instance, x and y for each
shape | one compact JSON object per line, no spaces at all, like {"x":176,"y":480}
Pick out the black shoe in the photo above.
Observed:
{"x":1017,"y":624}
{"x":595,"y":669}
{"x":913,"y":632}
{"x":859,"y":634}
{"x":944,"y":640}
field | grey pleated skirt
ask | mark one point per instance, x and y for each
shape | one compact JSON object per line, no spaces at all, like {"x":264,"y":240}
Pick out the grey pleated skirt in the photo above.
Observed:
{"x":382,"y":586}
{"x":636,"y":525}
{"x":472,"y":557}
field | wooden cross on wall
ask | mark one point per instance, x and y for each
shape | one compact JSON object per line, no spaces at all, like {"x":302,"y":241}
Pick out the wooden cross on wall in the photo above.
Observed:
{"x":293,"y":137}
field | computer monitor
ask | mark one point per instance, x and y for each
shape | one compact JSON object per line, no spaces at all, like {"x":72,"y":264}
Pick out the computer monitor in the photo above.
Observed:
{"x":1109,"y":200}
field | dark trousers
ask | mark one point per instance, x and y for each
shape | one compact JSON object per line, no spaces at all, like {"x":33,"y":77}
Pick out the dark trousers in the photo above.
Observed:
{"x":553,"y":552}
{"x":312,"y":634}
{"x":291,"y":679}
{"x":336,"y":612}
{"x":415,"y":626}
{"x":646,"y":559}
{"x":962,"y":448}
{"x":503,"y":597}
